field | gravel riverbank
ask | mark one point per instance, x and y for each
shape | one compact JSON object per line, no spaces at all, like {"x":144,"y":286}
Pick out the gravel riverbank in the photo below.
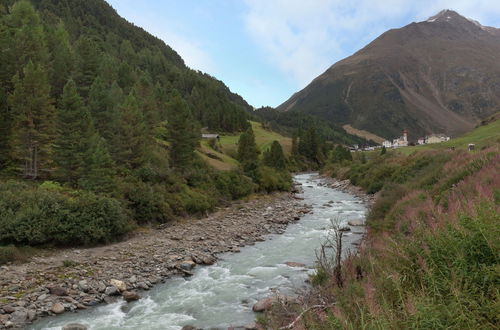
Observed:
{"x":71,"y":279}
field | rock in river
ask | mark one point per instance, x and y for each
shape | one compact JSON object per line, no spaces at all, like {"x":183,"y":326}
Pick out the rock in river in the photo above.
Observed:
{"x":357,"y":222}
{"x":75,"y":326}
{"x":130,"y":296}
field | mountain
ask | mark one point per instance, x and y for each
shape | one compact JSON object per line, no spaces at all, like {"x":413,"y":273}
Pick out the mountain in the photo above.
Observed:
{"x":437,"y":76}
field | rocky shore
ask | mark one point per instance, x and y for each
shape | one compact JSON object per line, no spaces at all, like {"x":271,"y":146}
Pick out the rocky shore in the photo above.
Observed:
{"x":347,"y":187}
{"x":68,"y":280}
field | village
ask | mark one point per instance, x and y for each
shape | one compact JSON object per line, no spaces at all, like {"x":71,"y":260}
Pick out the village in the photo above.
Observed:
{"x":402,"y":141}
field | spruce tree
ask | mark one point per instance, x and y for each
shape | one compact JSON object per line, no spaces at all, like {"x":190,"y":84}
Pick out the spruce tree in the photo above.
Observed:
{"x":184,"y":133}
{"x":87,"y":64}
{"x":99,"y":169}
{"x":75,"y":129}
{"x":129,"y":141}
{"x":33,"y":129}
{"x":274,"y":157}
{"x":248,"y":153}
{"x":62,"y":59}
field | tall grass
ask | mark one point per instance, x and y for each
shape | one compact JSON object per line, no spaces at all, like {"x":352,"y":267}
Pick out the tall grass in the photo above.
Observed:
{"x":432,"y":255}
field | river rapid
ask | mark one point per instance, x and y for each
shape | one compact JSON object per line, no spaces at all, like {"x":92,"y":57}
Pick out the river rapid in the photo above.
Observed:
{"x":222,"y":295}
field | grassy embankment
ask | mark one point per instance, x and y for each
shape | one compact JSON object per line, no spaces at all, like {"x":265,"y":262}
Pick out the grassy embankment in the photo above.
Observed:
{"x":431,"y":259}
{"x":223,"y":156}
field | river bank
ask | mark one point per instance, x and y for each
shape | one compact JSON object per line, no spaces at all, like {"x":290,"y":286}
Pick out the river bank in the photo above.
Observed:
{"x":73,"y":279}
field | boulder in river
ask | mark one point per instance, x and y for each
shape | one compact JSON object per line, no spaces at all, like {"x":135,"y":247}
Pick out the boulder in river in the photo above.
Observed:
{"x":130,"y":296}
{"x":356,"y":222}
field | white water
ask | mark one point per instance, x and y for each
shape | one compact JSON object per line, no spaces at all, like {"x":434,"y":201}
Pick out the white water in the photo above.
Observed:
{"x":222,"y":295}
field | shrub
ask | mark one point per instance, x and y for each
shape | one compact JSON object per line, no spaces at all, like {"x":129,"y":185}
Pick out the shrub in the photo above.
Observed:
{"x":271,"y":180}
{"x":36,"y":216}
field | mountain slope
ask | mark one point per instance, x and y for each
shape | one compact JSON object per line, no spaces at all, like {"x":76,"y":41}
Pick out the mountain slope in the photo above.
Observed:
{"x":441,"y":75}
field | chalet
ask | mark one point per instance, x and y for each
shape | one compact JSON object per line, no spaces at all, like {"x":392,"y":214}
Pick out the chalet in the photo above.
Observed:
{"x":210,"y":136}
{"x":421,"y":140}
{"x":436,"y":138}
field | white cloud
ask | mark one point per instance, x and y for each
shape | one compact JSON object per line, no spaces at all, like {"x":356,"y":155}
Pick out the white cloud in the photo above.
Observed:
{"x":303,"y":38}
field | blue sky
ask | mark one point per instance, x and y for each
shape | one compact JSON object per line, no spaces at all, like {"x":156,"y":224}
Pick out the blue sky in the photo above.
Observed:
{"x":266,"y":50}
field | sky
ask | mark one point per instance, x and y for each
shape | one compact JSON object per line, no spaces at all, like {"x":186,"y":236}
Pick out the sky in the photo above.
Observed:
{"x":266,"y":50}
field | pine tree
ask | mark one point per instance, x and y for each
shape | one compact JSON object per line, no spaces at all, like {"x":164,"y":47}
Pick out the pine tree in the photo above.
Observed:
{"x":28,"y":42}
{"x":248,"y":153}
{"x":103,"y":103}
{"x":145,"y":94}
{"x":33,"y":128}
{"x":129,"y":141}
{"x":75,"y":129}
{"x":383,"y":151}
{"x":274,"y":157}
{"x":87,"y":64}
{"x":62,"y":59}
{"x":99,"y":169}
{"x":183,"y":131}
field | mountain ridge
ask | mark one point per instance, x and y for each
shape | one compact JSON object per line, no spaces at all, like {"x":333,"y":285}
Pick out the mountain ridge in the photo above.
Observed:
{"x":431,"y":76}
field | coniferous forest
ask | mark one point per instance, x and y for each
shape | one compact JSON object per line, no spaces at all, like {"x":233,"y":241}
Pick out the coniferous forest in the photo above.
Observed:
{"x":99,"y":127}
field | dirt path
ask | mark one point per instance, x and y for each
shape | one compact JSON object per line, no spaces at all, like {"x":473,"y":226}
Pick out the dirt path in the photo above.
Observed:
{"x":72,"y":279}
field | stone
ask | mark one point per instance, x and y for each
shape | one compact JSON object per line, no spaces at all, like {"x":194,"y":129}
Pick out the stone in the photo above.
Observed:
{"x":9,"y":309}
{"x":295,"y":264}
{"x":83,"y":285}
{"x":58,"y":291}
{"x":75,"y":326}
{"x":264,"y":304}
{"x":20,"y":316}
{"x":42,"y":297}
{"x":111,"y":291}
{"x":120,"y":285}
{"x":251,"y":326}
{"x":101,"y":287}
{"x":208,"y":260}
{"x":187,"y":265}
{"x":57,"y":308}
{"x":132,"y":279}
{"x":189,"y":327}
{"x":31,"y":314}
{"x":130,"y":296}
{"x":356,"y":222}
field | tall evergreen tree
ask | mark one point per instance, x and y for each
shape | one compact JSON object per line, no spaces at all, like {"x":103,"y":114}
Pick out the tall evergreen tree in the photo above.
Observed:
{"x":87,"y":64}
{"x":145,"y":94}
{"x":248,"y":153}
{"x":75,"y":129}
{"x":62,"y":59}
{"x":274,"y":157}
{"x":99,"y":169}
{"x":33,"y":126}
{"x":183,"y":131}
{"x":129,"y":141}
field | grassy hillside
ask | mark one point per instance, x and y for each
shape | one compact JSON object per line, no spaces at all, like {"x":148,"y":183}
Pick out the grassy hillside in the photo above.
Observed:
{"x":430,"y":259}
{"x":224,"y":157}
{"x":481,"y":136}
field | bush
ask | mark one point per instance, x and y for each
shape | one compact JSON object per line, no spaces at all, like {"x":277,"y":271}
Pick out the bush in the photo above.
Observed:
{"x":271,"y":179}
{"x":9,"y":254}
{"x":34,"y":216}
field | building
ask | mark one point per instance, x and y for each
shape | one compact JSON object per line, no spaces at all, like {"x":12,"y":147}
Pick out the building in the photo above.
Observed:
{"x":402,"y":141}
{"x":421,"y":140}
{"x":210,"y":136}
{"x":436,"y":138}
{"x":387,"y":144}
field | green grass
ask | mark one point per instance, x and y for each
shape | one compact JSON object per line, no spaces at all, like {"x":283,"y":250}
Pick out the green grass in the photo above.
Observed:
{"x":481,"y":136}
{"x":263,"y":138}
{"x":229,"y":145}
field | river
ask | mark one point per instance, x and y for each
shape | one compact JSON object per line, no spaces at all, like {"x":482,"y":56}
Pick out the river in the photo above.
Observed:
{"x":222,"y":295}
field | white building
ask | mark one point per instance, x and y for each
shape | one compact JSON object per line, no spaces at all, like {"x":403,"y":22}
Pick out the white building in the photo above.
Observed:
{"x":387,"y":144}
